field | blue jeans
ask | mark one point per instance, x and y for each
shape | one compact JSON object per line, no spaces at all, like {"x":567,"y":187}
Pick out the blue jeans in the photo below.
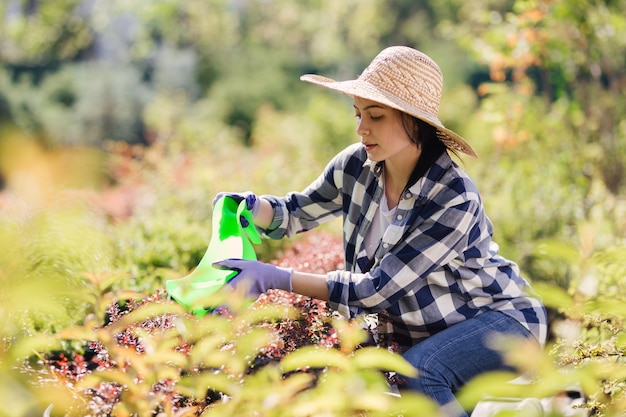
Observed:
{"x":450,"y":358}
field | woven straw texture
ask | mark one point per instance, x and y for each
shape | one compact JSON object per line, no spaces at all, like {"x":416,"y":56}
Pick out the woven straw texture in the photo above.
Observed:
{"x":405,"y":79}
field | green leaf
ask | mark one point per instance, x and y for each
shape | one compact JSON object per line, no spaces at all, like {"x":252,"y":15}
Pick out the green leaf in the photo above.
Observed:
{"x":206,"y":348}
{"x":378,"y":358}
{"x":553,"y":296}
{"x":492,"y":384}
{"x":297,"y":382}
{"x":413,"y":404}
{"x":269,"y":313}
{"x":36,"y":343}
{"x":251,"y":342}
{"x":77,"y":333}
{"x":314,"y":357}
{"x":558,"y":250}
{"x":164,"y":357}
{"x":121,"y":295}
{"x":110,"y":375}
{"x":193,"y":329}
{"x":168,"y":373}
{"x":197,"y":385}
{"x":145,"y":312}
{"x":351,"y":334}
{"x":221,"y":360}
{"x":107,"y":282}
{"x":606,"y":307}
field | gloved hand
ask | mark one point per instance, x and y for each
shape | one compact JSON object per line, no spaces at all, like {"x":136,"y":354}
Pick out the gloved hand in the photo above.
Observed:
{"x":252,"y":202}
{"x":258,"y":275}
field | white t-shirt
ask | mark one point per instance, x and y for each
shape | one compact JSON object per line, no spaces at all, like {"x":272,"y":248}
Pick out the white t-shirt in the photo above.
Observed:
{"x":382,"y":219}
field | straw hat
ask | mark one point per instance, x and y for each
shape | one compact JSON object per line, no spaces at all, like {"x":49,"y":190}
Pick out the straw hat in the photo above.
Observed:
{"x":405,"y":79}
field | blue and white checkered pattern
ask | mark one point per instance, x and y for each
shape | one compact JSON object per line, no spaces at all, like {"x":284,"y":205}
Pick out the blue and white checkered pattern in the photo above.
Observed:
{"x":437,"y":264}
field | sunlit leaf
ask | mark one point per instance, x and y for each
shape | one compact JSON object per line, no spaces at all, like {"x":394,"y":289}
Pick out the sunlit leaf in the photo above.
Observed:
{"x":197,"y":385}
{"x":314,"y":357}
{"x":553,"y":296}
{"x":413,"y":404}
{"x":350,"y":334}
{"x":223,"y":360}
{"x":77,"y":333}
{"x":164,"y":357}
{"x":267,"y":313}
{"x":377,"y":358}
{"x":251,"y":342}
{"x":34,"y":296}
{"x":145,"y":312}
{"x":35,"y":344}
{"x":606,"y":307}
{"x":122,"y":295}
{"x":297,"y":382}
{"x":10,"y":390}
{"x":371,"y":401}
{"x":123,"y":354}
{"x":168,"y":373}
{"x":310,"y":405}
{"x":193,"y":329}
{"x":557,"y":250}
{"x":110,"y":375}
{"x":492,"y":384}
{"x":207,"y":349}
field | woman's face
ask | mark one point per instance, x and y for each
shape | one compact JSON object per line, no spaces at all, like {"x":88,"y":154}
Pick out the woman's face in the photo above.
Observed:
{"x":381,"y":131}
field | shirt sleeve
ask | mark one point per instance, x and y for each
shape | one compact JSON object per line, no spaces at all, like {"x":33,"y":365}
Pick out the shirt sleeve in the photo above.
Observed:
{"x":318,"y":203}
{"x":439,"y":235}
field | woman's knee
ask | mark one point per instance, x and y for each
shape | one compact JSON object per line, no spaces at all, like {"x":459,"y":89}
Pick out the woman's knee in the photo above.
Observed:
{"x":431,"y":364}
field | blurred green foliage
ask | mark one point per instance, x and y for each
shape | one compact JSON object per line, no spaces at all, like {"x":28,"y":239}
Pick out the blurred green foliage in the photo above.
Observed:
{"x":556,"y":153}
{"x":161,"y":357}
{"x":72,"y":107}
{"x":45,"y":250}
{"x":586,"y":351}
{"x":211,"y":87}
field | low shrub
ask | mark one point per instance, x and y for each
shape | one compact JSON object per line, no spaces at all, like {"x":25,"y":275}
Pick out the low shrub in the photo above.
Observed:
{"x":284,"y":355}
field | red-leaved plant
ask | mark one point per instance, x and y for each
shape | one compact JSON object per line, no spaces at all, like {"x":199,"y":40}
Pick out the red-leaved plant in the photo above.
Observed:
{"x":318,"y":252}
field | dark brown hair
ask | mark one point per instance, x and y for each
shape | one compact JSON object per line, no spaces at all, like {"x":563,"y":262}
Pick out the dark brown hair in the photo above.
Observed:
{"x":425,"y":137}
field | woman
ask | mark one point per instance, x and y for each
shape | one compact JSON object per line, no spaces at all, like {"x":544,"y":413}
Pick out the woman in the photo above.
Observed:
{"x":418,"y":248}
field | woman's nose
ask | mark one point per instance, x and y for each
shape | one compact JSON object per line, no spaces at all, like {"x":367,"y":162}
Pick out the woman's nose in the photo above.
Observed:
{"x":361,"y":128}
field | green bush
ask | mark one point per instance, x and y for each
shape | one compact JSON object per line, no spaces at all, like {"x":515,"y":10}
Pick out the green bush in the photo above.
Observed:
{"x":539,"y":182}
{"x":80,"y":104}
{"x":152,"y":356}
{"x":586,"y":351}
{"x":45,"y":255}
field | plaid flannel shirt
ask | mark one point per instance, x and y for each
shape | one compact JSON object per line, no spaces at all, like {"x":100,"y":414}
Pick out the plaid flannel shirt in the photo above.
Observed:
{"x":437,"y":264}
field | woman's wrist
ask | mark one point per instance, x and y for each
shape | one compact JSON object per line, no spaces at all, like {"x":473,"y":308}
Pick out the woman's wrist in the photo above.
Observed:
{"x":310,"y":285}
{"x":265,"y":214}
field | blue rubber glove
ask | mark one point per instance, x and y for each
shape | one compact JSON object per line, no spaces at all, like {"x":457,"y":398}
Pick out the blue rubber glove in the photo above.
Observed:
{"x":258,"y":275}
{"x":252,"y":203}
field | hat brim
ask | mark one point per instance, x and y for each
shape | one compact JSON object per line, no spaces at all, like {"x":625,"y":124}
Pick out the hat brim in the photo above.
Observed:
{"x":363,"y":89}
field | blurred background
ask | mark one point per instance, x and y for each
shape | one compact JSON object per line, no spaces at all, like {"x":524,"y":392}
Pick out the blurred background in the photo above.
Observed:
{"x":154,"y":106}
{"x":120,"y":120}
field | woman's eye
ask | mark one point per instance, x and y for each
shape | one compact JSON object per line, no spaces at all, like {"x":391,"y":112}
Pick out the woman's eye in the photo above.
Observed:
{"x":376,"y":117}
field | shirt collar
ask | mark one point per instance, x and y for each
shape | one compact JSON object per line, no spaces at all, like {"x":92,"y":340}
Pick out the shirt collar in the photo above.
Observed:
{"x":425,"y":184}
{"x":375,"y":167}
{"x":423,"y":187}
